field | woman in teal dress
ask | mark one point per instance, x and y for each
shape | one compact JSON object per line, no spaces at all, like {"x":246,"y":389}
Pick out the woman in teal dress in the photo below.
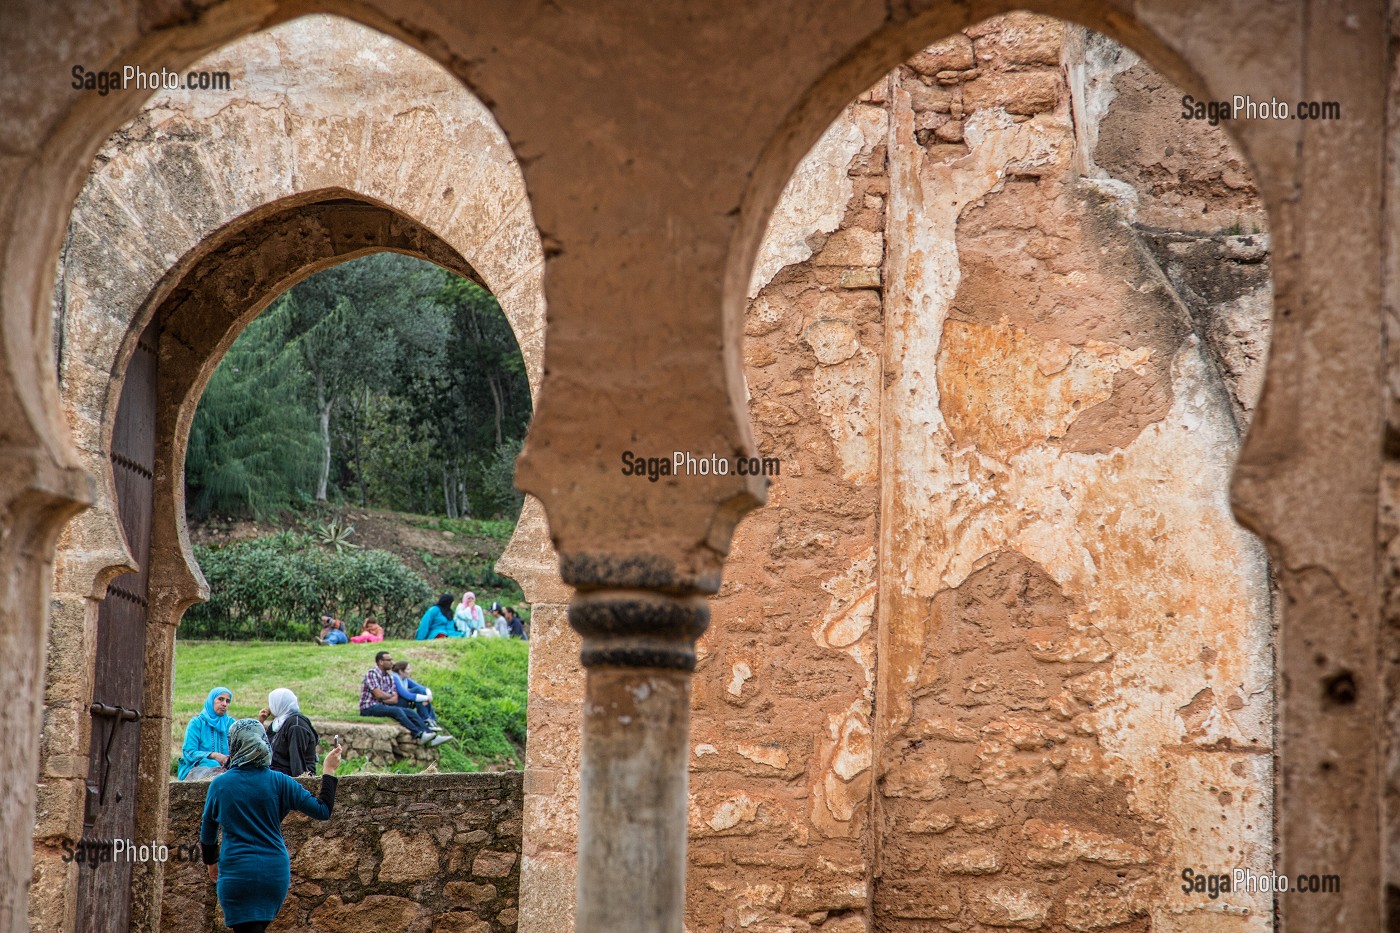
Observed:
{"x":205,"y":751}
{"x":437,"y":621}
{"x":248,"y":802}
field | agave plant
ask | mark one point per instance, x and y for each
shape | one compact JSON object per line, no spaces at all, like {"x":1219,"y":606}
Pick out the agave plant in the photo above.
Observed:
{"x":335,"y":534}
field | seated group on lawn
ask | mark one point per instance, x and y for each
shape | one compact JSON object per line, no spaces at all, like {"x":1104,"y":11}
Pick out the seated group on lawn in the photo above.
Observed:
{"x":440,"y":621}
{"x":395,"y":695}
{"x":387,"y":690}
{"x":467,"y":621}
{"x":333,"y":632}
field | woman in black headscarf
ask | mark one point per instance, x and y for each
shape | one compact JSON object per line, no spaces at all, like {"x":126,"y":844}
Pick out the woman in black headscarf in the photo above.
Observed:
{"x":249,"y":802}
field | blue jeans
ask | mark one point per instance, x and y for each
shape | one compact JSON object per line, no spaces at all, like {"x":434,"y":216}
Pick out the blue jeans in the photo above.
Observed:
{"x":336,"y":637}
{"x":423,"y":709}
{"x":405,"y":716}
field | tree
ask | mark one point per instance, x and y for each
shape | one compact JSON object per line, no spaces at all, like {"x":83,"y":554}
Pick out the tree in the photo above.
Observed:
{"x":253,"y":439}
{"x":409,"y":378}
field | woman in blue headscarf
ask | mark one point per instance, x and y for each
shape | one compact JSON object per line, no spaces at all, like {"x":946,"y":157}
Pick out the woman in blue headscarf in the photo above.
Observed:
{"x":205,"y":751}
{"x":249,"y":802}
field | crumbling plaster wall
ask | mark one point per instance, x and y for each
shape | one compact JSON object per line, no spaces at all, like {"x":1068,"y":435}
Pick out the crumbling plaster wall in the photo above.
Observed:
{"x":308,"y":118}
{"x":996,"y":653}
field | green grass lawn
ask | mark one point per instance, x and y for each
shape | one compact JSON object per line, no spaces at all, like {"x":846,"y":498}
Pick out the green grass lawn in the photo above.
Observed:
{"x":478,"y":686}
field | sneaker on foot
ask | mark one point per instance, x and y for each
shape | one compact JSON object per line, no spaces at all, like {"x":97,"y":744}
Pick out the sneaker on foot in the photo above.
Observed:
{"x":321,"y":641}
{"x":427,"y":738}
{"x":439,"y":740}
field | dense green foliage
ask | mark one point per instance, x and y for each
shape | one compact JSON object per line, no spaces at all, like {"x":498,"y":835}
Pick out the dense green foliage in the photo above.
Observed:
{"x":253,"y":442}
{"x":478,"y":687}
{"x":384,"y":381}
{"x":278,"y":587}
{"x":482,"y":702}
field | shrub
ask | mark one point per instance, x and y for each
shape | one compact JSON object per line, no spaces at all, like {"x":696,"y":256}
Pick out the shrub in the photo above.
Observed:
{"x":277,"y":588}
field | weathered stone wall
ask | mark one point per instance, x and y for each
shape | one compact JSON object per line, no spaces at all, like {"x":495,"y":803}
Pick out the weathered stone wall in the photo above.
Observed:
{"x":996,"y":653}
{"x":379,"y":862}
{"x":780,"y":769}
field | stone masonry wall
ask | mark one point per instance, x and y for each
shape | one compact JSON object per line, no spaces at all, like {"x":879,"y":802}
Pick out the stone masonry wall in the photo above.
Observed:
{"x":996,"y":654}
{"x":378,"y":863}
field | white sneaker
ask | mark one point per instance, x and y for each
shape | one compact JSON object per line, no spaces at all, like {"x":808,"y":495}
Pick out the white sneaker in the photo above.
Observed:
{"x":439,"y":740}
{"x":427,"y":738}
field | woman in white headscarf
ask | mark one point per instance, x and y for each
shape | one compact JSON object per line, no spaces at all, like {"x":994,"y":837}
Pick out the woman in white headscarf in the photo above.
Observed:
{"x":468,"y":617}
{"x":291,"y":735}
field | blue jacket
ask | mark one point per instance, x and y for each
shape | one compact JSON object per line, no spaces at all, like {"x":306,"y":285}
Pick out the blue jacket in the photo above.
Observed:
{"x":206,"y":733}
{"x":409,"y":689}
{"x":433,"y":622}
{"x":248,"y":804}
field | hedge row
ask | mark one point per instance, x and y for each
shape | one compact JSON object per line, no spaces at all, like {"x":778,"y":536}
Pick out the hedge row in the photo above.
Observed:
{"x":277,"y":588}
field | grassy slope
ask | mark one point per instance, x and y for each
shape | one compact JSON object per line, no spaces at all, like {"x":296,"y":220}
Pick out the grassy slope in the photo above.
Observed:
{"x":478,"y":686}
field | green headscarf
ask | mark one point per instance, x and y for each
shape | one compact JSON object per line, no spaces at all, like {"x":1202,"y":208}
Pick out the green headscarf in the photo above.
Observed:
{"x":247,"y":745}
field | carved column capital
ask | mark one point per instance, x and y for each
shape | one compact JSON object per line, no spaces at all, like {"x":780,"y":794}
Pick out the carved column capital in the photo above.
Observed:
{"x":637,"y":628}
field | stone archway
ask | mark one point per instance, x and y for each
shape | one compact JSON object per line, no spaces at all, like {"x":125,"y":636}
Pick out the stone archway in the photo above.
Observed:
{"x":638,"y":167}
{"x":192,"y":222}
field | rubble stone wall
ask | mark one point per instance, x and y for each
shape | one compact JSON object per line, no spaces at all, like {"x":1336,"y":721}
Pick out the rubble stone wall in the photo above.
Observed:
{"x":379,"y":862}
{"x":996,"y":654}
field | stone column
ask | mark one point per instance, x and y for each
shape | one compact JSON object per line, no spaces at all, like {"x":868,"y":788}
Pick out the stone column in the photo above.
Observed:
{"x":36,"y":497}
{"x":639,"y":652}
{"x":549,"y":843}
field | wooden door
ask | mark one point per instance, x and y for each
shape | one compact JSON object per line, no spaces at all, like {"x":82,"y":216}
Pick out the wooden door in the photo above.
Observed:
{"x":104,"y":892}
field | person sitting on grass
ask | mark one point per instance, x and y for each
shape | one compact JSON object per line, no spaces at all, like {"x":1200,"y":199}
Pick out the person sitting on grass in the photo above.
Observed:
{"x":332,"y":632}
{"x":415,"y":695}
{"x":379,"y":698}
{"x":370,"y":632}
{"x":205,"y":752}
{"x":493,"y":621}
{"x":437,"y":621}
{"x":514,"y":624}
{"x":468,"y":617}
{"x":291,"y":735}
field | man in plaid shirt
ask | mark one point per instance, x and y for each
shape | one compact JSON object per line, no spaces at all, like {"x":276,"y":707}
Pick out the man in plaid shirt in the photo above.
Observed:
{"x":379,"y":698}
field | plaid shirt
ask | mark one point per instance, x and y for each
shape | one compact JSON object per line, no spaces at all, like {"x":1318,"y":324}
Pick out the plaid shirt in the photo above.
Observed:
{"x":374,"y":680}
